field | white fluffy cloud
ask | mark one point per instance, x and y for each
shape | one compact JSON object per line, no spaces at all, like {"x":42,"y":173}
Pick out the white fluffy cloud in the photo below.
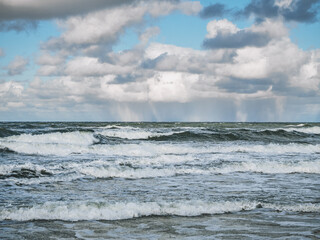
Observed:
{"x":11,"y":95}
{"x":105,"y":26}
{"x":223,"y":27}
{"x":224,"y":34}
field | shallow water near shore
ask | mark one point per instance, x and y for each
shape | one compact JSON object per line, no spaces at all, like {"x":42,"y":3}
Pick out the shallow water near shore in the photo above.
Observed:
{"x":159,"y":180}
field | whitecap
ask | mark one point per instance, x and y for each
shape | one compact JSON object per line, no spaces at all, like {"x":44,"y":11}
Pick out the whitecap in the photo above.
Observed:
{"x":78,"y":211}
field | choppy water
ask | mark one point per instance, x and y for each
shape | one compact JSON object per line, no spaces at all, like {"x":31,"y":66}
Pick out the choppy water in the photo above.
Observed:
{"x":159,"y":180}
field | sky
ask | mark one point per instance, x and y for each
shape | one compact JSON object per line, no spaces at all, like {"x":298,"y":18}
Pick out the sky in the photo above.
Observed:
{"x":159,"y":60}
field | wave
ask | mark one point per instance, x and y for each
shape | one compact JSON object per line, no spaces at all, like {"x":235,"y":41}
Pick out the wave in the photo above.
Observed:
{"x":308,"y":130}
{"x":6,"y":132}
{"x":273,"y":167}
{"x":270,"y":135}
{"x":27,"y":170}
{"x":147,"y":172}
{"x":36,"y":174}
{"x":76,"y":138}
{"x":49,"y":143}
{"x":272,"y":148}
{"x":67,"y":141}
{"x":209,"y":134}
{"x":6,"y":150}
{"x":63,"y":144}
{"x":132,"y":133}
{"x":78,"y":211}
{"x":25,"y":173}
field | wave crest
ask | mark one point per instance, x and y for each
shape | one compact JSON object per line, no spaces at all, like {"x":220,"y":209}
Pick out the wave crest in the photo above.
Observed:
{"x":78,"y":211}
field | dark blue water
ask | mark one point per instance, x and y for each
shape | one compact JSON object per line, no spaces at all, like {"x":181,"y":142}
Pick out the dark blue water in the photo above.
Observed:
{"x":159,"y":180}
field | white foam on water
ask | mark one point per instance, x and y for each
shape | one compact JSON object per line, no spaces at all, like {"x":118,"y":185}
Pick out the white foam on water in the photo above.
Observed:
{"x":163,"y":159}
{"x":78,"y":211}
{"x":62,"y":144}
{"x":154,"y":149}
{"x":8,"y":168}
{"x":288,"y":128}
{"x":133,"y":133}
{"x":102,"y":169}
{"x":70,"y":171}
{"x":76,"y":138}
{"x":302,"y":207}
{"x":126,"y":132}
{"x":309,"y":130}
{"x":50,"y":143}
{"x":298,"y":128}
{"x":312,"y":130}
{"x":145,"y":149}
{"x":272,"y":167}
{"x":271,"y":148}
{"x":129,"y":173}
{"x":299,"y":125}
{"x":157,"y":149}
{"x":58,"y":174}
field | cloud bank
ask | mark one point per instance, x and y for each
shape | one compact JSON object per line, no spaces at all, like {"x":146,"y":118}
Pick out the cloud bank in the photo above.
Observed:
{"x":255,"y":73}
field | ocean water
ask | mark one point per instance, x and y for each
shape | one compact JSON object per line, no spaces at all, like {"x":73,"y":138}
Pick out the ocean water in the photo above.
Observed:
{"x":159,"y":180}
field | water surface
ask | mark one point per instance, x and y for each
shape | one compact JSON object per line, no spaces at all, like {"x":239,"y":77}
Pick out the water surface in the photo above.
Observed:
{"x":159,"y":180}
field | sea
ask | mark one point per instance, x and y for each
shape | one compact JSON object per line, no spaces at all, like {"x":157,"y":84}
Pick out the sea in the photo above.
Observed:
{"x":170,"y":180}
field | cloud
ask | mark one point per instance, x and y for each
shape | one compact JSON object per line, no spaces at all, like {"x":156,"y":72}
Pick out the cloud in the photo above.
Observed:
{"x":223,"y":27}
{"x":255,"y":73}
{"x":147,"y":34}
{"x":250,"y":84}
{"x":224,"y":34}
{"x":162,"y":57}
{"x":20,"y":15}
{"x":105,"y":26}
{"x":214,"y":10}
{"x":10,"y":94}
{"x":88,"y":66}
{"x":17,"y":66}
{"x":40,"y":10}
{"x":240,"y":39}
{"x":290,"y":10}
{"x":50,"y":64}
{"x":47,"y":59}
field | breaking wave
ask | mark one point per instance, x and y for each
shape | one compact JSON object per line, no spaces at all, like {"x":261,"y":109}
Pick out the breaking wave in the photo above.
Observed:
{"x":78,"y":211}
{"x":279,"y":135}
{"x":35,"y":174}
{"x":62,"y":144}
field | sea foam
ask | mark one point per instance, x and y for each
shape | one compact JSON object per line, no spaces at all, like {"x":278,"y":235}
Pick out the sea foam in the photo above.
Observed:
{"x":77,"y":211}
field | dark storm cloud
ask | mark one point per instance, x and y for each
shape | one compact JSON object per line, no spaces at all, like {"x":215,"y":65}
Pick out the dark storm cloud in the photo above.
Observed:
{"x":239,"y":39}
{"x":214,"y":10}
{"x":39,"y":10}
{"x":298,"y":10}
{"x":23,"y":15}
